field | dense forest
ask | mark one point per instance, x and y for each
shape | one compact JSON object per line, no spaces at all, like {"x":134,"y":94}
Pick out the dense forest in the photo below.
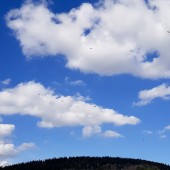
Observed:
{"x":89,"y":163}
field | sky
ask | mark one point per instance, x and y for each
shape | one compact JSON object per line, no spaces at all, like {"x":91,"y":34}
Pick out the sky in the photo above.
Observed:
{"x":84,"y":78}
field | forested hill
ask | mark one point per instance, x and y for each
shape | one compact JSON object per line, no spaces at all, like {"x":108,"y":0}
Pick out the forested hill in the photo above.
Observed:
{"x":89,"y":163}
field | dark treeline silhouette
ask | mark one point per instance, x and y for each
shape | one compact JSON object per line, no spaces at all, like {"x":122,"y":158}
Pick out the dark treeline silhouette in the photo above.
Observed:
{"x":89,"y":163}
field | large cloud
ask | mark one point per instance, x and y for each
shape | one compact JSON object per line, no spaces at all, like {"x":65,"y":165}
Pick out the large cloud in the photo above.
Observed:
{"x":115,"y":37}
{"x":147,"y":96}
{"x":55,"y":111}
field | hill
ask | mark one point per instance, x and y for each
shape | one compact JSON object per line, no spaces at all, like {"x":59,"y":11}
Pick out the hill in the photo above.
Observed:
{"x":89,"y":163}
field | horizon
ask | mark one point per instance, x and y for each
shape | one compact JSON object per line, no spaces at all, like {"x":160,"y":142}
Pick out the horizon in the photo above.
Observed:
{"x":84,"y":78}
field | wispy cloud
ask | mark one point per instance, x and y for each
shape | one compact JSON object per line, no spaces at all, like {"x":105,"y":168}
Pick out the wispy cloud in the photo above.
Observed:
{"x":6,"y":81}
{"x":147,"y":96}
{"x":111,"y":134}
{"x":75,"y":82}
{"x":148,"y":132}
{"x":163,"y":136}
{"x":163,"y":133}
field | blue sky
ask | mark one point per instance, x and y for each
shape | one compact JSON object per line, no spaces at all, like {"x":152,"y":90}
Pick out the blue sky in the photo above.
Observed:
{"x":84,"y":78}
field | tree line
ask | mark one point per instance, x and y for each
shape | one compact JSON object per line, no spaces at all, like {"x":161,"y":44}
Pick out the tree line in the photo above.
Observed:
{"x":88,"y":163}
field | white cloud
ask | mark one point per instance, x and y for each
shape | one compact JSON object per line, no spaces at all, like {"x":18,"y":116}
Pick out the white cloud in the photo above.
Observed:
{"x":111,"y":134}
{"x":111,"y":38}
{"x":3,"y":163}
{"x":91,"y":130}
{"x":26,"y":146}
{"x":146,"y":96}
{"x":6,"y":130}
{"x":6,"y":81}
{"x":9,"y":150}
{"x":55,"y":111}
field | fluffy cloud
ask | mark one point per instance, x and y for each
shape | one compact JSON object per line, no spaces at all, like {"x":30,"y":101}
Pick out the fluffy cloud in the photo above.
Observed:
{"x":6,"y":130}
{"x":112,"y":37}
{"x":88,"y":131}
{"x":55,"y":111}
{"x":91,"y":130}
{"x":146,"y":96}
{"x":9,"y":150}
{"x":3,"y":163}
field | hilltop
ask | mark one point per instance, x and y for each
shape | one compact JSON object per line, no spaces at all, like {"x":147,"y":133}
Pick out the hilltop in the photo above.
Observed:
{"x":89,"y":163}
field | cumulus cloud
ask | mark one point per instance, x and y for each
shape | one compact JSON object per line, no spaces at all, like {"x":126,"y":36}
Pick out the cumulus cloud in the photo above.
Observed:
{"x":55,"y":111}
{"x":89,"y":131}
{"x":9,"y":150}
{"x":146,"y":96}
{"x":113,"y":37}
{"x":6,"y":130}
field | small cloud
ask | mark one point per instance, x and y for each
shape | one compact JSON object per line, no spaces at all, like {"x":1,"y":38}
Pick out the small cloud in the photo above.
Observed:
{"x":91,"y":130}
{"x":147,"y":96}
{"x":163,"y":131}
{"x":6,"y":81}
{"x":111,"y":134}
{"x":26,"y":146}
{"x":6,"y":130}
{"x":75,"y":82}
{"x":148,"y":132}
{"x":167,"y":127}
